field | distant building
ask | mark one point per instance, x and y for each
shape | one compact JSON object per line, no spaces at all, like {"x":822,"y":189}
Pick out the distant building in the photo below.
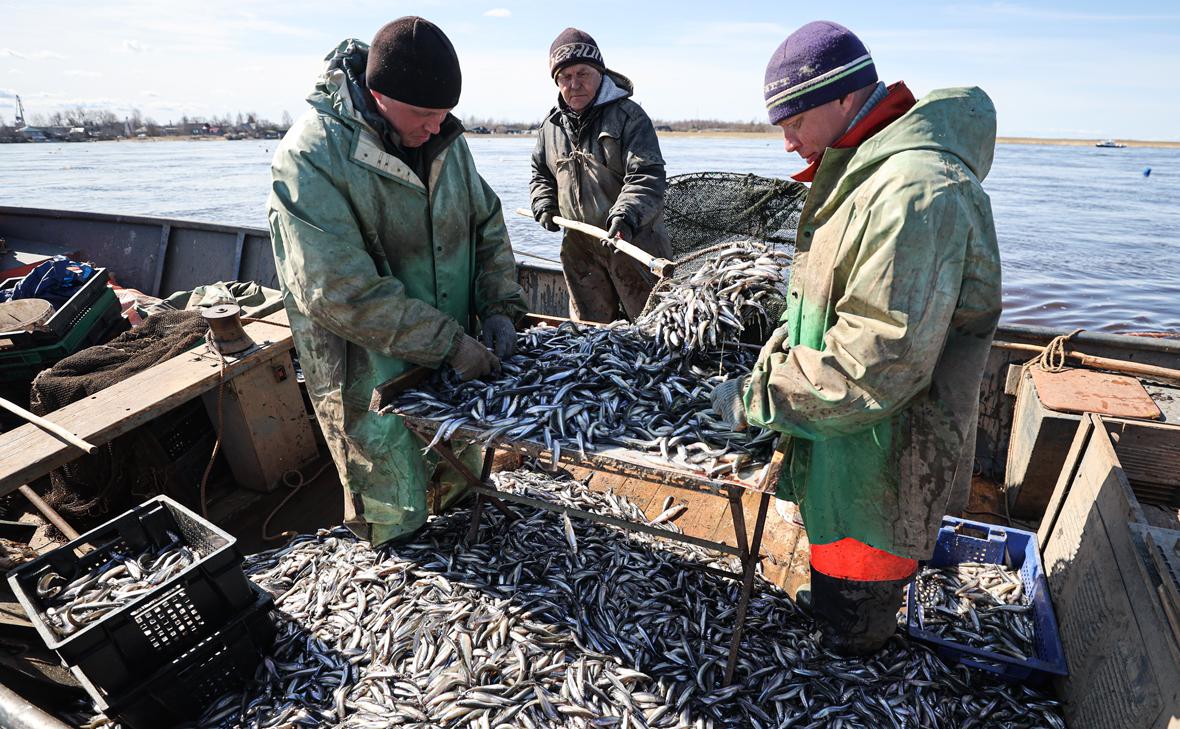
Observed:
{"x":33,"y":134}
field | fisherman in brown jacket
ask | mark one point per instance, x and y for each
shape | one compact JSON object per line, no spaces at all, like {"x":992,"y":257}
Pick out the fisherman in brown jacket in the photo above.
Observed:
{"x":598,"y":161}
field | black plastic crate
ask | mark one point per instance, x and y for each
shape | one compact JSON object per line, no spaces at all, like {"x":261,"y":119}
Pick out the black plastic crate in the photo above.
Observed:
{"x":64,"y":319}
{"x":181,"y":690}
{"x":152,"y":629}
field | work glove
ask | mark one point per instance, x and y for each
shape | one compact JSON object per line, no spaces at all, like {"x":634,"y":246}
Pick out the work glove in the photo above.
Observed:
{"x":499,"y":335}
{"x":618,"y":229}
{"x":545,"y":218}
{"x":471,"y":359}
{"x":727,"y":403}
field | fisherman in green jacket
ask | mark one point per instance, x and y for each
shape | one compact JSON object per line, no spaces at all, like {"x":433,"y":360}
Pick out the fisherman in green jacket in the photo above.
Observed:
{"x":873,"y":377}
{"x":391,"y":251}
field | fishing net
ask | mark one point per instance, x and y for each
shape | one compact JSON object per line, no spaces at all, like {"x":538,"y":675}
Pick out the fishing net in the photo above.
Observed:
{"x":704,"y":209}
{"x":707,"y":213}
{"x":132,"y":466}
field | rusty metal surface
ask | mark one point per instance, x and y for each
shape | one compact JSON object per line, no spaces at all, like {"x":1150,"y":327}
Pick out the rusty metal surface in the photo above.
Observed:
{"x":1086,"y":391}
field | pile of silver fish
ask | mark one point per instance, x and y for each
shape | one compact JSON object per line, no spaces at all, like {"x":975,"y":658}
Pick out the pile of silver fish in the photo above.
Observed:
{"x":574,"y":388}
{"x":72,"y":605}
{"x":980,"y":605}
{"x":709,"y":309}
{"x":551,"y":623}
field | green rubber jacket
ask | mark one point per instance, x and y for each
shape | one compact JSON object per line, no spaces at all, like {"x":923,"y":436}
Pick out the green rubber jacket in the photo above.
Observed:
{"x":379,"y":273}
{"x":893,"y":301}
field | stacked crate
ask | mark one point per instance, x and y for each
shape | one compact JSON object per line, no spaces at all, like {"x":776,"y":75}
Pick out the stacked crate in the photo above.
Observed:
{"x":91,"y":316}
{"x":161,"y":657}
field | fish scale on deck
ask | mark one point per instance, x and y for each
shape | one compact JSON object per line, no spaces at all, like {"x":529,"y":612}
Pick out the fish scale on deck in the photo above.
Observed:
{"x":534,"y":628}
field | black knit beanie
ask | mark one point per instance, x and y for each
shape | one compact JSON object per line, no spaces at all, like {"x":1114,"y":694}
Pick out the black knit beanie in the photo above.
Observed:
{"x":574,"y":46}
{"x":411,"y":60}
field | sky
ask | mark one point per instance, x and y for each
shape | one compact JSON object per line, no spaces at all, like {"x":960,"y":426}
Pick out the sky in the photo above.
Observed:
{"x":1080,"y":69}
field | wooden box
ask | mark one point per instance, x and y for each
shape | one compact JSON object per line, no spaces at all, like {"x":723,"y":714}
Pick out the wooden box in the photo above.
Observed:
{"x":1121,"y":650}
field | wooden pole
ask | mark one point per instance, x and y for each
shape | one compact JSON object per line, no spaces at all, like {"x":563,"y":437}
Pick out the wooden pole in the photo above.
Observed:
{"x":661,"y":267}
{"x":1102,"y":363}
{"x":48,"y":512}
{"x":53,"y":428}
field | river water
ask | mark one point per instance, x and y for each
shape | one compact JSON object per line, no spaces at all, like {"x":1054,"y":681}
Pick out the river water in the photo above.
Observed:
{"x":1087,"y":239}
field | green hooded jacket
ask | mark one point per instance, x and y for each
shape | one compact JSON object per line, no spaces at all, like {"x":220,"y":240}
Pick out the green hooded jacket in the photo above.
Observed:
{"x":379,"y":273}
{"x":894,"y":298}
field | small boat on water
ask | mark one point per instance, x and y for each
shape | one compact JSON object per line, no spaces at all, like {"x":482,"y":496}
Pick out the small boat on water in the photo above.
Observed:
{"x":1110,"y":144}
{"x":1028,"y":460}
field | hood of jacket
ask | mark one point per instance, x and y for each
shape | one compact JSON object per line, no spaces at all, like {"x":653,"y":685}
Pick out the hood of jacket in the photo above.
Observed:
{"x":957,"y":121}
{"x":341,"y":92}
{"x":614,"y":86}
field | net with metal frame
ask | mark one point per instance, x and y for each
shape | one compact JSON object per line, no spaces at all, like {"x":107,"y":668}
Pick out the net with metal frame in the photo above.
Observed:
{"x":706,"y":211}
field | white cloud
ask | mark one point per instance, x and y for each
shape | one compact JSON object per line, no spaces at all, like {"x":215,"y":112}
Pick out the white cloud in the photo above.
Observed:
{"x":34,"y":56}
{"x":83,"y":74}
{"x":135,"y":47}
{"x":150,"y":94}
{"x":498,"y":13}
{"x":7,"y":93}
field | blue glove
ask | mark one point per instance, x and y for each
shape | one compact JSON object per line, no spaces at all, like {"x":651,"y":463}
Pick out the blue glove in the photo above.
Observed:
{"x":727,"y":403}
{"x":499,"y":335}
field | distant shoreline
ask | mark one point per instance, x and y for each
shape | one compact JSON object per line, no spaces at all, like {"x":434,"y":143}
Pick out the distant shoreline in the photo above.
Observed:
{"x":1047,"y":141}
{"x":708,"y":134}
{"x":1052,"y":142}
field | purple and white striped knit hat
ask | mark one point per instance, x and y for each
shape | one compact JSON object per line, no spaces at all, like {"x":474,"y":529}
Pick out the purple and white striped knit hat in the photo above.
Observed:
{"x":819,"y":62}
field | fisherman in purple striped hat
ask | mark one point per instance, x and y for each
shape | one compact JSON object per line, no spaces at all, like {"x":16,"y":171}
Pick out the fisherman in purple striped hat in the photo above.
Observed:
{"x":873,"y":379}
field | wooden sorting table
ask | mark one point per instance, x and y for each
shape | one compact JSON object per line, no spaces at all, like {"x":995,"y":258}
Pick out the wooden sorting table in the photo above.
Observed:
{"x":620,"y":461}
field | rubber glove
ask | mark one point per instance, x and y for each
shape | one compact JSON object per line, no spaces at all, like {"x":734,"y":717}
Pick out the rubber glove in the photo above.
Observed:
{"x":727,"y":403}
{"x":618,"y":229}
{"x":471,"y":359}
{"x":546,"y":220}
{"x":499,"y":335}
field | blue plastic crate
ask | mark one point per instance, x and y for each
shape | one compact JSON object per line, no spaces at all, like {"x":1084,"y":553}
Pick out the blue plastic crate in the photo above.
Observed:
{"x":960,"y":540}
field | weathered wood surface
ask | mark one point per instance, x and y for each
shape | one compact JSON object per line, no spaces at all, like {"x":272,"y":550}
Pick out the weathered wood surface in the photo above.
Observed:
{"x":1124,"y":666}
{"x":28,"y":452}
{"x":1085,"y":391}
{"x":263,"y":425}
{"x":1150,"y":456}
{"x":1039,"y":442}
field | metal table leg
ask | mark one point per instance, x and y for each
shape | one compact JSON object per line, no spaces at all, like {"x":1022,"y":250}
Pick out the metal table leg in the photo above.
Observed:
{"x":751,"y":564}
{"x":448,"y":454}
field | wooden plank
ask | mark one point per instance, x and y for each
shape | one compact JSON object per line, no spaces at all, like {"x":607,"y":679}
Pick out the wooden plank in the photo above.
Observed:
{"x":1126,"y":673}
{"x":1083,"y":391}
{"x":1039,"y":443}
{"x":28,"y":452}
{"x":799,"y":572}
{"x":1148,"y":452}
{"x":704,"y":512}
{"x":263,"y":423}
{"x":1068,"y":472}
